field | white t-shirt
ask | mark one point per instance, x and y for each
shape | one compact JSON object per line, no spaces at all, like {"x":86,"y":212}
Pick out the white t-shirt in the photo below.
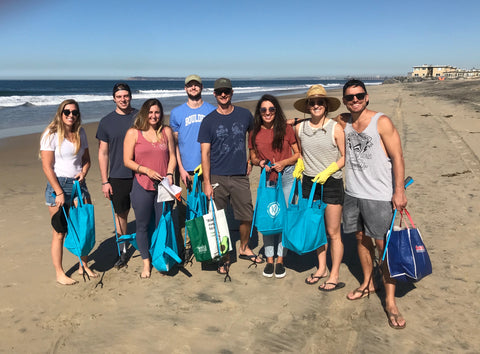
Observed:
{"x":66,"y":164}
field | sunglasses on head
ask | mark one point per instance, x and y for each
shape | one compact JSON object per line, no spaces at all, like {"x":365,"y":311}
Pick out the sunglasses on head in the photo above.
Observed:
{"x":312,"y":103}
{"x":263,"y":110}
{"x":67,"y":112}
{"x":359,"y":96}
{"x":222,"y":91}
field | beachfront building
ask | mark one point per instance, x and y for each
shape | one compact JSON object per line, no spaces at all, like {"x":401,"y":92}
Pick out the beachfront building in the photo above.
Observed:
{"x":444,"y":71}
{"x":426,"y":70}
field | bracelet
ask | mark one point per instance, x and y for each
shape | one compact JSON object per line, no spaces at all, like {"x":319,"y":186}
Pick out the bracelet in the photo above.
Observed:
{"x":58,"y":195}
{"x":104,"y":183}
{"x":250,"y":162}
{"x":296,"y":121}
{"x":138,"y":168}
{"x":170,"y":174}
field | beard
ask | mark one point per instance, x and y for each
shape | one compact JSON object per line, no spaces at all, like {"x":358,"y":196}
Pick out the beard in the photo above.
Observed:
{"x":195,"y":97}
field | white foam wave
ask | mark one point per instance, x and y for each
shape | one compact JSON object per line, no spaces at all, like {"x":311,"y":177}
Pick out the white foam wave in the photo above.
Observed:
{"x":15,"y":101}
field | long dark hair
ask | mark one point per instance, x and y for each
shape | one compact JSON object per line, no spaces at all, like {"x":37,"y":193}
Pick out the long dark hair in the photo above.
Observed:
{"x":279,"y":123}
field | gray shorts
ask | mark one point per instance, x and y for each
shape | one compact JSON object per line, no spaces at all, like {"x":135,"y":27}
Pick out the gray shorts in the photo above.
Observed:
{"x":371,"y":216}
{"x":237,"y":190}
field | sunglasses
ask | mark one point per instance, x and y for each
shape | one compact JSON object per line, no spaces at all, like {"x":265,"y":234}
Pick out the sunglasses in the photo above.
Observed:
{"x":226,"y":91}
{"x":193,"y":83}
{"x":359,"y":96}
{"x":263,"y":110}
{"x":74,"y":113}
{"x":313,"y":103}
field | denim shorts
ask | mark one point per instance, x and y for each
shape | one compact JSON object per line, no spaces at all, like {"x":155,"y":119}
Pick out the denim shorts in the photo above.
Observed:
{"x":67,"y":184}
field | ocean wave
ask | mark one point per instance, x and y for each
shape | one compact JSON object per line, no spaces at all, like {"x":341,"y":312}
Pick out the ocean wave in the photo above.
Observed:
{"x":44,"y":100}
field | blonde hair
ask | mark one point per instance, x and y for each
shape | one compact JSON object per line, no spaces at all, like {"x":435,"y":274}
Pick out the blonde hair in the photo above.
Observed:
{"x":58,"y":126}
{"x":141,"y":120}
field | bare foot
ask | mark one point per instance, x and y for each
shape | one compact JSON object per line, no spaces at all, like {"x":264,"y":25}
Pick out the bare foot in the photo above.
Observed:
{"x":90,"y":272}
{"x":145,"y":274}
{"x":64,"y":280}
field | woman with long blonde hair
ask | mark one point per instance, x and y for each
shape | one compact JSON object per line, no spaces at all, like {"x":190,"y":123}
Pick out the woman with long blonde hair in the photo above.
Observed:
{"x":65,"y":158}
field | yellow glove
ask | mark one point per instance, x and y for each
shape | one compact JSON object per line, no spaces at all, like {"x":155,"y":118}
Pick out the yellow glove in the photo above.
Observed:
{"x":323,"y":176}
{"x":198,"y":170}
{"x":299,"y":168}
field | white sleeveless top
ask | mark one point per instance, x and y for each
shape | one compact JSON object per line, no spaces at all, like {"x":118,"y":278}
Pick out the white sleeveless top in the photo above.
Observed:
{"x":368,"y":170}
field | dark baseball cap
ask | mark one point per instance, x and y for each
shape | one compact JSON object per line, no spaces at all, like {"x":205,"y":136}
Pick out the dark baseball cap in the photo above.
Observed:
{"x":119,"y":86}
{"x":222,"y":83}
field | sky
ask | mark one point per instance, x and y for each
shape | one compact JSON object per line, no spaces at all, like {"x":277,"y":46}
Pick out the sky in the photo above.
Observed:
{"x":91,"y":39}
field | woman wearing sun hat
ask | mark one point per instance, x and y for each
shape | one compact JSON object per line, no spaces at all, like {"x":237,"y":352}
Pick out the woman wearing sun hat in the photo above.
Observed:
{"x":322,"y":143}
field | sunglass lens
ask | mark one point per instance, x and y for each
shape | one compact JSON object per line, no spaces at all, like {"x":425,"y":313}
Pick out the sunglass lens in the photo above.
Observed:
{"x":359,"y":96}
{"x":67,"y":112}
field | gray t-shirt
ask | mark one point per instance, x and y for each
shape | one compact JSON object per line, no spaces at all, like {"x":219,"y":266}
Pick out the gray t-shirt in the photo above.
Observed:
{"x":112,"y":129}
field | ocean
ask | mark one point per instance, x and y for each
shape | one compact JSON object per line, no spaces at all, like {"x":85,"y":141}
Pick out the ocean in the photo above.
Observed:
{"x":27,"y":106}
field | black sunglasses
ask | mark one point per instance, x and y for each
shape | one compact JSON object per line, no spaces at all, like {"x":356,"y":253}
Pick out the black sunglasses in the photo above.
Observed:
{"x":193,"y":83}
{"x":312,"y":103}
{"x":67,"y":112}
{"x":263,"y":110}
{"x":222,"y":91}
{"x":359,"y":96}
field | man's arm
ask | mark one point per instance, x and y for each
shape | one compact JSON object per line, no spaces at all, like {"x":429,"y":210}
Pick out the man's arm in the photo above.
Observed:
{"x":393,"y":147}
{"x":103,"y":164}
{"x":183,"y":173}
{"x":208,"y":190}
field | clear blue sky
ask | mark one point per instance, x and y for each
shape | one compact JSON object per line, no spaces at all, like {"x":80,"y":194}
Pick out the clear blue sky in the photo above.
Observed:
{"x":242,"y":38}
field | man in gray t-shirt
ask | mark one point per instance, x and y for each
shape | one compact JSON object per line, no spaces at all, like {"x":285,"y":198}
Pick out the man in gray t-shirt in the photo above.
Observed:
{"x":116,"y":181}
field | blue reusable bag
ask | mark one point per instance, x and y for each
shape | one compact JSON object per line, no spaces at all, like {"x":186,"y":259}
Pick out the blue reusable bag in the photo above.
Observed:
{"x":407,"y":256}
{"x":80,"y":238}
{"x":197,"y":204}
{"x":270,"y":207}
{"x":305,"y":222}
{"x":163,"y":246}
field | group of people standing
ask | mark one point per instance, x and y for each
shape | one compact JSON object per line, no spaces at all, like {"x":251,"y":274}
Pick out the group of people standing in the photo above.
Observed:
{"x":136,"y":149}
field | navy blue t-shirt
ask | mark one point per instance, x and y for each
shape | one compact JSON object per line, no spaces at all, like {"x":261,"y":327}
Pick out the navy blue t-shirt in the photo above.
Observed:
{"x":112,"y":129}
{"x":227,"y":137}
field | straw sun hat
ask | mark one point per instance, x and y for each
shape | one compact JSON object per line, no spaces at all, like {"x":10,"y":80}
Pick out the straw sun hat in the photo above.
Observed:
{"x":317,"y":91}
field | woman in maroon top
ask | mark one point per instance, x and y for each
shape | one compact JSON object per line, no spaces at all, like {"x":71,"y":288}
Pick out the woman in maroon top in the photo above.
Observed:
{"x":149,"y":150}
{"x":273,"y":140}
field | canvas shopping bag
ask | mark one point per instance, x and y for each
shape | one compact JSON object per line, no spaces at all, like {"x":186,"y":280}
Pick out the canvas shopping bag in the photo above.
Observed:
{"x":208,"y":234}
{"x":270,"y":207}
{"x":407,"y":256}
{"x":80,"y":238}
{"x":304,"y":229}
{"x":163,"y":246}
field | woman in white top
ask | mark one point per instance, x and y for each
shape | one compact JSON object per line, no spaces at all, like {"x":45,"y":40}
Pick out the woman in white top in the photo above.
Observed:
{"x":65,"y":158}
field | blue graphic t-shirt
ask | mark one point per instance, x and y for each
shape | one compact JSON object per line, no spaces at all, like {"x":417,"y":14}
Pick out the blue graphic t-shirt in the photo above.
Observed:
{"x":186,"y":122}
{"x":227,"y":137}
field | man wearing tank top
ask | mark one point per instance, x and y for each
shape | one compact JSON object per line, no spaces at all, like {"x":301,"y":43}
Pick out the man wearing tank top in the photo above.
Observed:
{"x":374,"y":173}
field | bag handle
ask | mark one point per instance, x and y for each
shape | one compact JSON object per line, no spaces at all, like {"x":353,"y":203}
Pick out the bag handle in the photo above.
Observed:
{"x":76,"y":190}
{"x":296,"y":184}
{"x":412,"y":225}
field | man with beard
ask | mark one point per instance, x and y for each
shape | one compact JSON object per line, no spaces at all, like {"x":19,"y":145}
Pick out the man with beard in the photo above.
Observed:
{"x":185,"y":122}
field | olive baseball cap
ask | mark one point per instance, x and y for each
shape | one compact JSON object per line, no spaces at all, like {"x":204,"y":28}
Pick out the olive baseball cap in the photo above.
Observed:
{"x":222,"y":83}
{"x":193,"y":78}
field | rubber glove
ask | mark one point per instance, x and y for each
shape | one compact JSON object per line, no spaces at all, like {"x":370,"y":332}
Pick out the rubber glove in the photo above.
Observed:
{"x":198,"y":170}
{"x":299,"y":168}
{"x":323,"y":176}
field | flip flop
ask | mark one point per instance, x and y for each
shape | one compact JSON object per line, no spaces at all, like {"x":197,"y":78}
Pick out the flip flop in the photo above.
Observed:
{"x":338,"y":285}
{"x":252,"y":258}
{"x":395,"y":316}
{"x":315,"y":279}
{"x":363,"y":293}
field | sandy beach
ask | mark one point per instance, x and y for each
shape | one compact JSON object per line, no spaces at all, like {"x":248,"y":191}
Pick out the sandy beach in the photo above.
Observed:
{"x":192,"y":310}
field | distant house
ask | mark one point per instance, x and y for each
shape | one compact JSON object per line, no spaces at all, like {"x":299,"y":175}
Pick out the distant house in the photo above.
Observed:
{"x":443,"y":71}
{"x":426,"y":70}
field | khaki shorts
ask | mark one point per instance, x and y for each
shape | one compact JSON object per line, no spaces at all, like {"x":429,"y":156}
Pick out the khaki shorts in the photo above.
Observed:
{"x":237,"y":190}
